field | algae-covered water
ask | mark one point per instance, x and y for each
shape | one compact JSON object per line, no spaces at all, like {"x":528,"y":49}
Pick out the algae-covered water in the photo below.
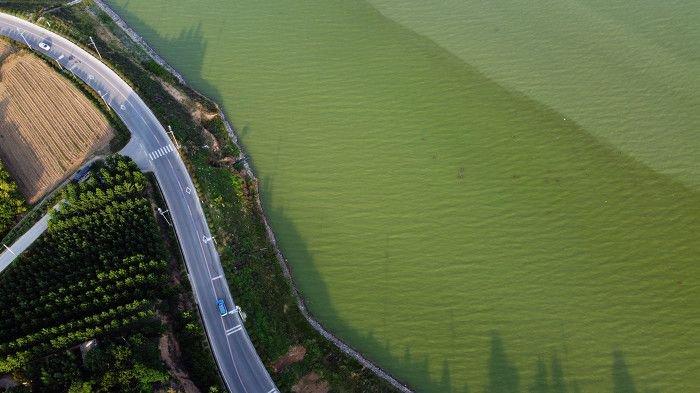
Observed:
{"x":480,"y":196}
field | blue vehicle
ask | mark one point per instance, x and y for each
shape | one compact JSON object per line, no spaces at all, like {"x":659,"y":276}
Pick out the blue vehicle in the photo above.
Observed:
{"x":81,"y":174}
{"x":222,"y":306}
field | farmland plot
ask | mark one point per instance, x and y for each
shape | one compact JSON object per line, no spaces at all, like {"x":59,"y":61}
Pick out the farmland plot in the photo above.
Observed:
{"x":48,"y":128}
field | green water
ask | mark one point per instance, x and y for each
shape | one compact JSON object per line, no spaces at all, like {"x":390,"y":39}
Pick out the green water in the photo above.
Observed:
{"x":480,"y":196}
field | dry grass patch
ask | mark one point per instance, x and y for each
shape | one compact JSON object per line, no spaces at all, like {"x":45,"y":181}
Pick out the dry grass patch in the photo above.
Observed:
{"x":311,"y":383}
{"x":48,"y":128}
{"x":295,"y":354}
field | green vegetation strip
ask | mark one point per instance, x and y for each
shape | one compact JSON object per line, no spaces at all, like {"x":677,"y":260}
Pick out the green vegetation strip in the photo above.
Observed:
{"x":11,"y":202}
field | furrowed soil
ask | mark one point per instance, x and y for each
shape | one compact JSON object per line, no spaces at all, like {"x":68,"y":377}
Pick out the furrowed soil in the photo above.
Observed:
{"x":48,"y":128}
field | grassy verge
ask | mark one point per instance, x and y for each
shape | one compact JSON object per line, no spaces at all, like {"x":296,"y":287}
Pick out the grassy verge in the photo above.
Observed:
{"x":257,"y":282}
{"x":28,"y":6}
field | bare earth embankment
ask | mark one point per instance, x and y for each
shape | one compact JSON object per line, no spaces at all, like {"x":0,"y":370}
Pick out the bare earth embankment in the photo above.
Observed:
{"x":48,"y":128}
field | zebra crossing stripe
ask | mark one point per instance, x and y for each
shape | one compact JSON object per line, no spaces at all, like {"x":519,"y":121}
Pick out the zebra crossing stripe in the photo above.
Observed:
{"x":234,"y":330}
{"x":160,"y":152}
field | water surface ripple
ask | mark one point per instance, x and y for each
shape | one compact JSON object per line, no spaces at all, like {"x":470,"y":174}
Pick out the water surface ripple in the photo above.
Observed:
{"x":482,"y":196}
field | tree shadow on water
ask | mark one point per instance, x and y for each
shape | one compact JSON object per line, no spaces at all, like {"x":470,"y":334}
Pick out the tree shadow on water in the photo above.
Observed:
{"x":542,"y":382}
{"x":558,"y":382}
{"x":184,"y":51}
{"x":320,"y":304}
{"x":502,"y":374}
{"x":622,"y":380}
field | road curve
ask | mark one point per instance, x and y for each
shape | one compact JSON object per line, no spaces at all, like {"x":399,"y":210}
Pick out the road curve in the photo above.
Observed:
{"x":239,"y":364}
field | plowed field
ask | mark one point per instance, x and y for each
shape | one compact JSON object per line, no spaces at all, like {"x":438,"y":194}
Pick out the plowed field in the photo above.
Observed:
{"x":48,"y":128}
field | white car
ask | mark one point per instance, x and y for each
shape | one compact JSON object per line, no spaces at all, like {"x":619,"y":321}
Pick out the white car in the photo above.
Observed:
{"x":45,"y":46}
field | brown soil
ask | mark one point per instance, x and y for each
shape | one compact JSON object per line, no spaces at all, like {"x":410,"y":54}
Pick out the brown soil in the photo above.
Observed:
{"x":177,"y":94}
{"x":211,"y":140}
{"x":226,"y":161}
{"x":295,"y":354}
{"x":311,"y":383}
{"x":198,"y":112}
{"x":170,"y":353}
{"x":48,"y":128}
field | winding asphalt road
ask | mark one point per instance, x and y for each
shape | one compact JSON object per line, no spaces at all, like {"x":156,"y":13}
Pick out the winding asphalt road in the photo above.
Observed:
{"x":152,"y":149}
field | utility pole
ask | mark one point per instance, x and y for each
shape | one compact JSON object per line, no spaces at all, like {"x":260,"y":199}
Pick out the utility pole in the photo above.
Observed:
{"x":240,"y":312}
{"x":177,"y":145}
{"x":96,"y":50}
{"x":162,"y":213}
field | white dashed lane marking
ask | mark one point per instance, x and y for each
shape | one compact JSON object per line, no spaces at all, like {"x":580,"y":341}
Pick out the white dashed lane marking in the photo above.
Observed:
{"x":155,"y":154}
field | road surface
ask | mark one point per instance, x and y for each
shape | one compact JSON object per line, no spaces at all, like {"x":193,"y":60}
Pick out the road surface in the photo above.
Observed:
{"x":9,"y":253}
{"x":153,"y":150}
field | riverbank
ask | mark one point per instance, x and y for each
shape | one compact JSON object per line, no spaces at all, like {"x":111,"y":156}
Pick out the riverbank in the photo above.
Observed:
{"x":257,"y":270}
{"x":284,"y":264}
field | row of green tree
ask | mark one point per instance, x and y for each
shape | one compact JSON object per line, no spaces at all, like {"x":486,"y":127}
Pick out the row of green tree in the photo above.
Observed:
{"x":11,"y":202}
{"x":97,"y":272}
{"x":128,"y":364}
